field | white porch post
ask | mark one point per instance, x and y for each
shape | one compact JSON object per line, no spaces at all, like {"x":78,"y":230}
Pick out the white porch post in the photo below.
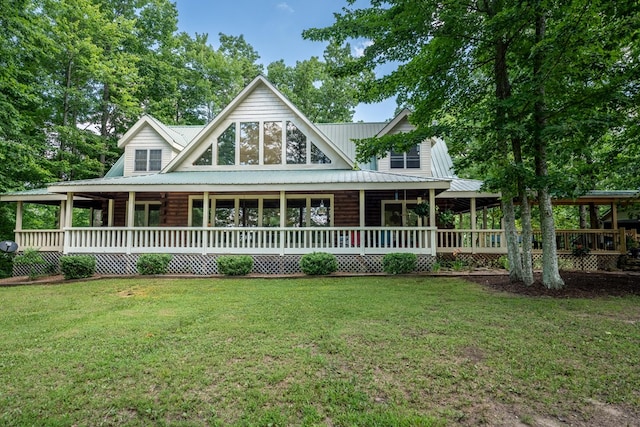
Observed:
{"x":18,"y":228}
{"x":362,"y":222}
{"x":205,"y":222}
{"x":19,"y":214}
{"x":68,"y":222}
{"x":131,"y":210}
{"x":110,"y":212}
{"x":283,"y":221}
{"x":472,"y":211}
{"x":432,"y":220}
{"x":62,"y":214}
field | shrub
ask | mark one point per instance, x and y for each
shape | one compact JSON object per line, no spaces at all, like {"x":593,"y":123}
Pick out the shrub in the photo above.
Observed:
{"x":235,"y":265}
{"x":30,"y":258}
{"x":153,"y":263}
{"x":77,"y":266}
{"x":503,"y":262}
{"x":318,"y":263}
{"x":6,"y":264}
{"x":399,"y":263}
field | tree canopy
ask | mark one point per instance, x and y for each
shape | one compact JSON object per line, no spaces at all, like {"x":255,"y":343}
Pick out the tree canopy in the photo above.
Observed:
{"x":527,"y":94}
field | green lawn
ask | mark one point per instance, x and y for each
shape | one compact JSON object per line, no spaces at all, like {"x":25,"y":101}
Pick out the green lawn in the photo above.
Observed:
{"x":310,"y":351}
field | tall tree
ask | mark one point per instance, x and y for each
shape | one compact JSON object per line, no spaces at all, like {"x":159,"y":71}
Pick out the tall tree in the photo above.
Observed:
{"x":311,"y":86}
{"x":483,"y":75}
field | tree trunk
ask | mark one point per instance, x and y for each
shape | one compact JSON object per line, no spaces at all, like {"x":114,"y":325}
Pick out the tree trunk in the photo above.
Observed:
{"x":550,"y":274}
{"x":519,"y":267}
{"x":582,"y":211}
{"x":513,"y":249}
{"x":594,"y":217}
{"x":527,"y":240}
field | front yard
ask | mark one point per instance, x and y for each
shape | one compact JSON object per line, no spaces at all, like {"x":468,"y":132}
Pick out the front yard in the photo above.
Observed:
{"x":314,"y":351}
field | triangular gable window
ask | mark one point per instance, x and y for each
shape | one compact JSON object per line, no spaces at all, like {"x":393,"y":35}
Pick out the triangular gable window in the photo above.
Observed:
{"x":317,"y":156}
{"x":206,"y":159}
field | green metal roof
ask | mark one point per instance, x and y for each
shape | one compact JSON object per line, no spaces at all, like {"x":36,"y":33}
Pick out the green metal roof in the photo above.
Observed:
{"x":117,"y":169}
{"x":254,"y":177}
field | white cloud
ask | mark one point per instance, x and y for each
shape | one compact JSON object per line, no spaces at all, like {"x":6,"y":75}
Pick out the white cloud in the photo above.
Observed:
{"x":285,"y":7}
{"x":358,"y":50}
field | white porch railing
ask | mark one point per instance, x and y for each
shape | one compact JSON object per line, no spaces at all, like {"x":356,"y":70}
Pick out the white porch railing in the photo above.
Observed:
{"x":264,"y":240}
{"x":472,"y":241}
{"x":44,"y":240}
{"x":594,"y":240}
{"x":254,"y":240}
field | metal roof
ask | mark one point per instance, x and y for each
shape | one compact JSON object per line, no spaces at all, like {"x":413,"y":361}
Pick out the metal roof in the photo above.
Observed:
{"x":117,"y":169}
{"x":254,"y":180}
{"x":342,"y":134}
{"x":187,"y":133}
{"x":252,"y":177}
{"x":441,"y":163}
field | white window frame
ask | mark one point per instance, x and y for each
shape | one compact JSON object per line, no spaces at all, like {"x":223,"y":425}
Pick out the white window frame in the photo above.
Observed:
{"x":146,"y":205}
{"x":403,"y":213}
{"x":261,"y":198}
{"x":147,"y":159}
{"x":395,"y":155}
{"x":283,"y":155}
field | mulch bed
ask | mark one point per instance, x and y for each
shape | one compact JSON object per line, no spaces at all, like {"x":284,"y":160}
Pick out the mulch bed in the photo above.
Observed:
{"x":578,"y":284}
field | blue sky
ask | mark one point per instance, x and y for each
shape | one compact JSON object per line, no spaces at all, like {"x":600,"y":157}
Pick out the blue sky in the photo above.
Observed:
{"x":273,"y":28}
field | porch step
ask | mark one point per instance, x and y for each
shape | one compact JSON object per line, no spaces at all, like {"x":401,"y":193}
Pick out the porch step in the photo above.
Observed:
{"x":628,"y":263}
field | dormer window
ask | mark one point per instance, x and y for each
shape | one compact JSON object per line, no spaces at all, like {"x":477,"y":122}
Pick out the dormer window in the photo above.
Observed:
{"x":406,"y":160}
{"x":148,"y":160}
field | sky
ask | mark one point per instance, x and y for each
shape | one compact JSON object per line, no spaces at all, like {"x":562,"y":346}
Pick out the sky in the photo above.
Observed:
{"x":274,"y":29}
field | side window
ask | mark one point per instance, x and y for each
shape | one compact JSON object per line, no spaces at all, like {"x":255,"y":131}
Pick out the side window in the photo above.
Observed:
{"x":155,"y":160}
{"x":413,"y":158}
{"x":405,"y":160}
{"x":140,"y":161}
{"x":148,"y":160}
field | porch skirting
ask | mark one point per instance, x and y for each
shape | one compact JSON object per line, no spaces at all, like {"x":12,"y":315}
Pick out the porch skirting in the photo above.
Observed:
{"x":205,"y":265}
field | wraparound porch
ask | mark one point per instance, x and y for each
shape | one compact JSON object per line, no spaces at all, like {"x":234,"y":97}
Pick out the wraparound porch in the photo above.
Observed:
{"x":294,"y":240}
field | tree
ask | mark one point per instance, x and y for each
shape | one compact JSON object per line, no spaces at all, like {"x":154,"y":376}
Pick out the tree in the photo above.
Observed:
{"x":311,"y":86}
{"x":488,"y":78}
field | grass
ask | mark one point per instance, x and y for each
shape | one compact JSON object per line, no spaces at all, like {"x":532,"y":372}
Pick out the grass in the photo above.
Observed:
{"x":412,"y":351}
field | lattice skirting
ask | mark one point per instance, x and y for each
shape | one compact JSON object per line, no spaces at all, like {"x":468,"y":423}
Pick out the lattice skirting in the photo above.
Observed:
{"x":51,"y":265}
{"x":123,"y":264}
{"x":589,"y":262}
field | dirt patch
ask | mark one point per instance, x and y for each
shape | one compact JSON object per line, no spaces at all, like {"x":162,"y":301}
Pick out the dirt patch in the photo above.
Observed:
{"x":578,"y":284}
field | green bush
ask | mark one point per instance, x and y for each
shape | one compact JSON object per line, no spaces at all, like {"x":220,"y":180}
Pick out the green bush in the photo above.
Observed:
{"x":77,"y":266}
{"x":31,"y":258}
{"x":234,"y":265}
{"x":153,"y":263}
{"x":318,"y":263}
{"x":6,"y":264}
{"x":399,"y":263}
